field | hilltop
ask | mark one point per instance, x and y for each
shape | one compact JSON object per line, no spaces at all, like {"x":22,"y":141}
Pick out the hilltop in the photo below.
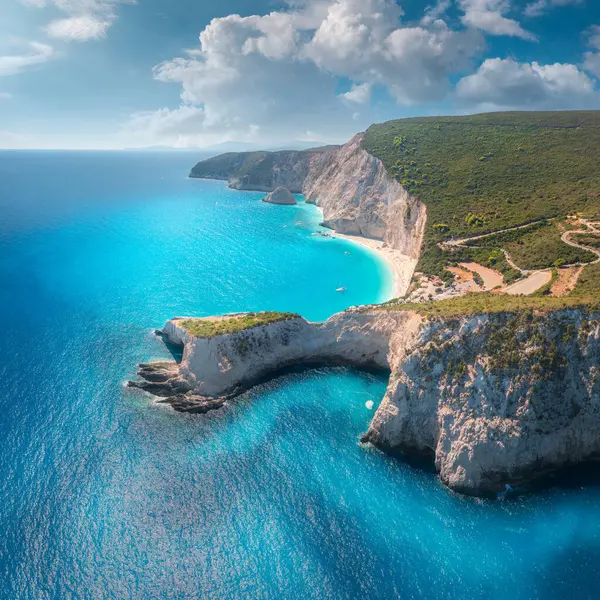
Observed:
{"x":490,"y":172}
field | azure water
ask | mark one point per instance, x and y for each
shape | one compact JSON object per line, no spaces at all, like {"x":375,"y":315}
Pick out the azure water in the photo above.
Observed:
{"x":107,"y":495}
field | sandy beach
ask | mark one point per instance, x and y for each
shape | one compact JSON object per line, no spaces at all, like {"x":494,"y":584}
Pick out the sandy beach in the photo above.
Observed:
{"x":401,"y":266}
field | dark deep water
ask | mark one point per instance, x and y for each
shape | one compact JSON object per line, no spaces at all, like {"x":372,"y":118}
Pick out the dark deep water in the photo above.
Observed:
{"x":106,"y":495}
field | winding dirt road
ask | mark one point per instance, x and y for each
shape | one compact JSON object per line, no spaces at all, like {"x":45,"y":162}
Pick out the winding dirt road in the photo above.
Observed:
{"x":565,"y":238}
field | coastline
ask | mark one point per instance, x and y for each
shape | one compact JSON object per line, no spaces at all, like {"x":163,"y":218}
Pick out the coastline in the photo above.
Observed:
{"x":401,"y":267}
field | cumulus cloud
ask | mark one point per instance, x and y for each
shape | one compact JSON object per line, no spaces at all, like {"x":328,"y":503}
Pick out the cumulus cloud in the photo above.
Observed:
{"x":505,"y":83}
{"x":86,"y":19}
{"x":539,"y":7}
{"x":359,"y":94}
{"x":36,"y":54}
{"x":279,"y":73}
{"x":489,"y":16}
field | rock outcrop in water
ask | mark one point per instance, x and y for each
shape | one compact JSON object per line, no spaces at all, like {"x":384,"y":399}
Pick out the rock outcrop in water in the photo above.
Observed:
{"x":496,"y":399}
{"x":281,"y":196}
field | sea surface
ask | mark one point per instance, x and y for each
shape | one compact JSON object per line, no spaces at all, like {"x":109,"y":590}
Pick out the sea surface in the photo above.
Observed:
{"x":106,"y":495}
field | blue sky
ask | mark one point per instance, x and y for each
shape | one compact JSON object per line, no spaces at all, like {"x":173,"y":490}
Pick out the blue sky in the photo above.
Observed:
{"x":194,"y":73}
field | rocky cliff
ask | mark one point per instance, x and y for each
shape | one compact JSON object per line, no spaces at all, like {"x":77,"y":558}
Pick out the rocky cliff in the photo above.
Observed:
{"x":351,"y":186}
{"x":495,"y":399}
{"x":498,"y":398}
{"x":357,"y":196}
{"x":262,"y":171}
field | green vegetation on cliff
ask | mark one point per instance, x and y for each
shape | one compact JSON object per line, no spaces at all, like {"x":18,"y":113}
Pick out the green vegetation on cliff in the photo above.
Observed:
{"x":213,"y":327}
{"x":484,"y":303}
{"x":258,"y":170}
{"x":484,"y":173}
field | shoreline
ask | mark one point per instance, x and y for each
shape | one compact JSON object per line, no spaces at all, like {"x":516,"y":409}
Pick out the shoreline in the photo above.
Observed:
{"x":400,"y":266}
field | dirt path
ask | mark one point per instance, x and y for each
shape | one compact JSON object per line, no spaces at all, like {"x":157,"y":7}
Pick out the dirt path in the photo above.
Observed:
{"x":534,"y":279}
{"x":463,"y":241}
{"x":565,"y":238}
{"x":511,"y":264}
{"x":530,"y":285}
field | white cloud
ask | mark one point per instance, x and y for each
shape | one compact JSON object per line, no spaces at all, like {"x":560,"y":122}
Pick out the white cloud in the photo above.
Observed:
{"x":592,"y":59}
{"x":539,"y":7}
{"x":278,"y":73}
{"x":178,"y":128}
{"x":359,"y":94}
{"x":488,"y":16}
{"x":80,"y":29}
{"x":5,"y":96}
{"x":435,"y":12}
{"x":505,"y":83}
{"x":37,"y":54}
{"x":86,"y":19}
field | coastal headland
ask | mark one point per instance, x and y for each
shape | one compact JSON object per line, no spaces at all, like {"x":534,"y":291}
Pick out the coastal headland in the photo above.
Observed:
{"x":493,"y":337}
{"x":496,"y":399}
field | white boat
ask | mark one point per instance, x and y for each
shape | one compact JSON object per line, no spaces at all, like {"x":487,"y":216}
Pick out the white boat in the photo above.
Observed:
{"x":342,"y":289}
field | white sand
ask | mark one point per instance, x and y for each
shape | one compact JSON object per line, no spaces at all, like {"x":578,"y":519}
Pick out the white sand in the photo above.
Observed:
{"x":401,"y":266}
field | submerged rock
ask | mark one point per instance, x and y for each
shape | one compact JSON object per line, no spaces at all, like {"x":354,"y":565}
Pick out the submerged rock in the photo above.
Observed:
{"x":281,"y":196}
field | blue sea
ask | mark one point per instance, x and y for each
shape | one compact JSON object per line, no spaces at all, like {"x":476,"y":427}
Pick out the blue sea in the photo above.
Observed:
{"x":106,"y":495}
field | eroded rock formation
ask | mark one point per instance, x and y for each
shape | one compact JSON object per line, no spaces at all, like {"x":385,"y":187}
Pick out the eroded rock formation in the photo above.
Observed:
{"x":496,"y":399}
{"x":357,"y":196}
{"x":281,"y":196}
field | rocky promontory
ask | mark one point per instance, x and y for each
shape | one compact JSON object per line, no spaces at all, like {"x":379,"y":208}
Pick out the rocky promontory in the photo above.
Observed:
{"x":495,"y":399}
{"x":351,"y":186}
{"x":262,"y":171}
{"x":281,"y":196}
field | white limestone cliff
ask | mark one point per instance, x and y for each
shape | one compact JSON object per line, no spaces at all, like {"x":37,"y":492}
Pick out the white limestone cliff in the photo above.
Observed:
{"x":359,"y":197}
{"x":495,"y":399}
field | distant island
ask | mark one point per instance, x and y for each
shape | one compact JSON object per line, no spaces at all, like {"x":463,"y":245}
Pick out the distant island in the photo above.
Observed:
{"x":491,"y":224}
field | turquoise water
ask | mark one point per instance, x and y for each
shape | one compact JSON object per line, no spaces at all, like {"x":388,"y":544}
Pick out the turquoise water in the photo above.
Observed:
{"x":106,"y":495}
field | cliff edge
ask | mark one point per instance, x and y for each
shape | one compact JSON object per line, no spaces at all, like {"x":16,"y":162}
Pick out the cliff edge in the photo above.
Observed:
{"x":262,"y":171}
{"x":358,"y":197}
{"x":495,"y":399}
{"x":351,"y":186}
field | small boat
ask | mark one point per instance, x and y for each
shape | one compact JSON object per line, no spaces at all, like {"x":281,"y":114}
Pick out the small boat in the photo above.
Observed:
{"x":342,"y":289}
{"x":348,"y":253}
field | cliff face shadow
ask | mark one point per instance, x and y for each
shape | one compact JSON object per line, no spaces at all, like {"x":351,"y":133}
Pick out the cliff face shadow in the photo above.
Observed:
{"x":305,"y":367}
{"x":570,"y":478}
{"x":175,"y":350}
